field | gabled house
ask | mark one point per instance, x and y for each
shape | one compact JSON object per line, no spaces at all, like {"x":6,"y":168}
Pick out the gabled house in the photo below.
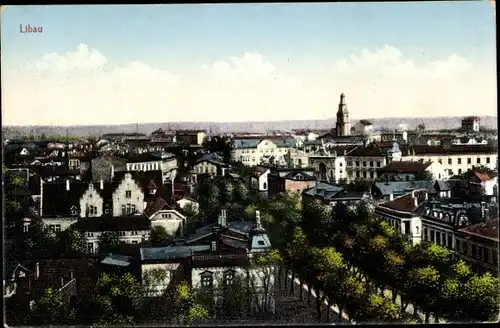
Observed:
{"x":210,"y":163}
{"x":293,"y":180}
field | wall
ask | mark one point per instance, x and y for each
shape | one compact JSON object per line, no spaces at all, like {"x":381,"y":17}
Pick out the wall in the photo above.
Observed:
{"x":64,"y":223}
{"x":454,"y":166}
{"x":364,"y":171}
{"x":206,"y":167}
{"x":91,"y":198}
{"x":183,"y":202}
{"x":119,"y":196}
{"x":171,"y":220}
{"x":127,"y":237}
{"x":298,"y":186}
{"x":160,"y":286}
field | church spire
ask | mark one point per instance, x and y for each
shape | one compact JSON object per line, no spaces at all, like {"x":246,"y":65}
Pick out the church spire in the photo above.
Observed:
{"x":342,"y":99}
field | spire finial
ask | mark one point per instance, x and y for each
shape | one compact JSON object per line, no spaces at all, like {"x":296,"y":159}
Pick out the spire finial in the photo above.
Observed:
{"x":342,"y":98}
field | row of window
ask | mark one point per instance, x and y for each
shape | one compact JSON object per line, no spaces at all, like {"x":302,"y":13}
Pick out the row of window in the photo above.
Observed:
{"x":469,"y":161}
{"x":54,"y":227}
{"x":363,"y":174}
{"x":147,"y":167}
{"x":208,"y":169}
{"x":128,"y":209}
{"x":349,"y":163}
{"x":91,"y":249}
{"x":477,"y":252}
{"x":207,"y":278}
{"x":267,"y":151}
{"x":439,"y":237}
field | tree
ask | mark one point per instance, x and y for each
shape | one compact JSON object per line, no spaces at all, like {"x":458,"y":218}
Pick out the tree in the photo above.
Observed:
{"x":159,"y":236}
{"x":482,"y":298}
{"x":317,"y":219}
{"x":377,"y":308}
{"x":187,"y":306}
{"x":241,"y":193}
{"x":73,"y":243}
{"x":233,"y":298}
{"x":208,"y":195}
{"x":423,"y":284}
{"x":49,"y":309}
{"x":108,"y":240}
{"x":424,"y":175}
{"x":262,"y":280}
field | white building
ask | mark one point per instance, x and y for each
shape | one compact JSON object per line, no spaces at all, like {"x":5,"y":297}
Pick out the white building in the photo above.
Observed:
{"x":252,"y":152}
{"x":401,"y":214}
{"x":258,"y":180}
{"x":165,"y":162}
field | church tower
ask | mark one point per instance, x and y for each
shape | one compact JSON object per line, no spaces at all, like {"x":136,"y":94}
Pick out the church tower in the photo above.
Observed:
{"x":343,"y":126}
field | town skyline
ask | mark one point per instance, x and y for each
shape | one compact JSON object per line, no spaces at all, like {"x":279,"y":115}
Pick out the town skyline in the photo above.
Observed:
{"x":277,"y":70}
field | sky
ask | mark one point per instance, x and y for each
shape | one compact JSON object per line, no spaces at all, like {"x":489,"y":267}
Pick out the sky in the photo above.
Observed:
{"x":246,"y":62}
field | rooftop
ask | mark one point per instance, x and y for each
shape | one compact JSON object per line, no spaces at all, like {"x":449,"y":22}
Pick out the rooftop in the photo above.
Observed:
{"x":487,"y":229}
{"x":405,"y":167}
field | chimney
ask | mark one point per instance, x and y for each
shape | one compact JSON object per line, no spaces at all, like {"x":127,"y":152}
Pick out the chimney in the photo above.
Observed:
{"x":416,"y":201}
{"x":112,"y":171}
{"x":102,"y":184}
{"x":213,"y":246}
{"x":257,"y":219}
{"x":37,"y":270}
{"x":62,"y":282}
{"x":391,"y":197}
{"x":71,"y":274}
{"x":41,"y":197}
{"x":67,"y":185}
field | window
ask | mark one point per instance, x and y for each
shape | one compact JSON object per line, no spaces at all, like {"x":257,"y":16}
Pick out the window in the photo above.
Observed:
{"x":459,"y":161}
{"x":357,"y":163}
{"x":371,"y":163}
{"x":90,"y":234}
{"x":364,"y":163}
{"x":432,"y":236}
{"x":207,"y":279}
{"x":459,"y":171}
{"x":449,"y":161}
{"x":494,"y":257}
{"x":90,"y":247}
{"x":450,"y":242}
{"x":228,"y":277}
{"x":51,"y":227}
{"x":133,"y":209}
{"x":124,"y":210}
{"x":440,"y":161}
{"x":129,"y":208}
{"x":357,"y":174}
{"x":128,"y":194}
{"x":58,"y":227}
{"x":340,"y":164}
{"x":371,"y":175}
{"x":457,"y":245}
{"x":465,"y":248}
{"x":438,"y":238}
{"x":478,"y":160}
{"x":487,"y":160}
{"x":486,"y":255}
{"x":349,"y":163}
{"x":364,"y":174}
{"x":378,"y":164}
{"x":426,"y":237}
{"x":474,"y":251}
{"x":469,"y":160}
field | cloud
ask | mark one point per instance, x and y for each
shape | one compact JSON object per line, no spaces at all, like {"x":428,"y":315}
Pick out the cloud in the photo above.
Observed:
{"x":86,"y":87}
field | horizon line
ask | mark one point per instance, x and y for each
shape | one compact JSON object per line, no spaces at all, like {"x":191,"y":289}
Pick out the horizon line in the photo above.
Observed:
{"x":258,"y":121}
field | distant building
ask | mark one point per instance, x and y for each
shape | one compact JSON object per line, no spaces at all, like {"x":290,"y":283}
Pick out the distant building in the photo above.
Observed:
{"x":471,"y":124}
{"x":363,"y":127}
{"x":291,"y":180}
{"x":190,"y":137}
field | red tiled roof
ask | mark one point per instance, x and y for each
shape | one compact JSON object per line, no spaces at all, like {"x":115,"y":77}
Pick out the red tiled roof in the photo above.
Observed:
{"x":487,"y":229}
{"x":405,"y":167}
{"x":406,"y":203}
{"x":482,"y":176}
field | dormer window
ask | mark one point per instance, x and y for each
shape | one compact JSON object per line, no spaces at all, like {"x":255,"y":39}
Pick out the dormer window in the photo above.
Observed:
{"x":73,"y":210}
{"x":128,"y":194}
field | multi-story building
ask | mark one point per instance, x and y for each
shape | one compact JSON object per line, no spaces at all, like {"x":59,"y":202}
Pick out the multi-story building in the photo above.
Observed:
{"x":210,"y":163}
{"x":331,"y":195}
{"x":478,"y":245}
{"x":402,"y":213}
{"x":471,"y":124}
{"x":271,"y":150}
{"x":364,"y":162}
{"x":165,"y":162}
{"x":412,"y":170}
{"x":190,"y":137}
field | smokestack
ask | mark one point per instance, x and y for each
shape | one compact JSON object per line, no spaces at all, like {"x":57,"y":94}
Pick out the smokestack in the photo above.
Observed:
{"x":67,"y":184}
